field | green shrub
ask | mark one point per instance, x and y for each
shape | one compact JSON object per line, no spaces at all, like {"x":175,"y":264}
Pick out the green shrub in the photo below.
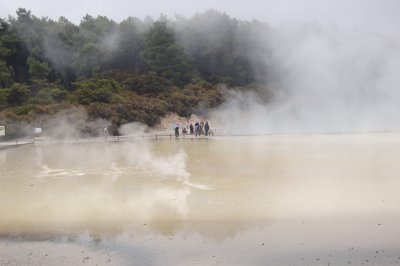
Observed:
{"x":18,"y":94}
{"x":150,"y":83}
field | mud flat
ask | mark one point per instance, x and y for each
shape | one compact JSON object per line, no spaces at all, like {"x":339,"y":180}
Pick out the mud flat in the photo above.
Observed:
{"x":266,"y":200}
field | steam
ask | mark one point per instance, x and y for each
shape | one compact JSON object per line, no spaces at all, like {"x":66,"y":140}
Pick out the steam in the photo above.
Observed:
{"x":73,"y":123}
{"x":325,"y":79}
{"x":144,"y":158}
{"x":108,"y":158}
{"x":111,"y":41}
{"x":164,"y":166}
{"x":59,"y":54}
{"x":133,"y":129}
{"x":103,"y":169}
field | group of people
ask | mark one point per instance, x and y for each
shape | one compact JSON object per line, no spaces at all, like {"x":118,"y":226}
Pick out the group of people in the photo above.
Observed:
{"x":198,"y":129}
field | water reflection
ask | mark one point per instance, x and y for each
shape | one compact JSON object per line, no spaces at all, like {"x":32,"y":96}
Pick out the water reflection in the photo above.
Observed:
{"x":105,"y":190}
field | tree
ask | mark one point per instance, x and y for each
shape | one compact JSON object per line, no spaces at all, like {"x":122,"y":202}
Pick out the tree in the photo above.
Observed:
{"x":130,"y":46}
{"x":5,"y":74}
{"x":15,"y":40}
{"x":99,"y":42}
{"x":49,"y":95}
{"x":147,"y":84}
{"x":37,"y":70}
{"x":164,"y":56}
{"x":62,"y":42}
{"x":96,"y":90}
{"x":224,"y":49}
{"x":3,"y":97}
{"x":17,"y":94}
{"x":5,"y":71}
{"x":88,"y":62}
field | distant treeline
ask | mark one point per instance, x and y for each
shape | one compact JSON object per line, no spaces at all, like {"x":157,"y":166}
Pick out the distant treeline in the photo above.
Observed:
{"x":135,"y":70}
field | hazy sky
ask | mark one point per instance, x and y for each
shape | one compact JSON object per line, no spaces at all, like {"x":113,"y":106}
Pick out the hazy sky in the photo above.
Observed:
{"x":379,"y":15}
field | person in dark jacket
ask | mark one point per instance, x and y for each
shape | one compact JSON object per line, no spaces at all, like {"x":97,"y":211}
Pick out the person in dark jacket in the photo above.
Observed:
{"x":191,"y":129}
{"x":177,"y":131}
{"x":197,"y":128}
{"x":206,"y":128}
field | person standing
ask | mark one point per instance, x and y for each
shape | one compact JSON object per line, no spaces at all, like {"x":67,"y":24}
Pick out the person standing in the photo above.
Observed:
{"x":206,"y":128}
{"x":191,"y":129}
{"x":177,"y":131}
{"x":197,"y":128}
{"x":105,"y":132}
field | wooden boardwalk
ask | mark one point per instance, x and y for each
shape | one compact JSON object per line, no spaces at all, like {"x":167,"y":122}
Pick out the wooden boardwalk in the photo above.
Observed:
{"x":47,"y":140}
{"x":15,"y":143}
{"x":125,"y":138}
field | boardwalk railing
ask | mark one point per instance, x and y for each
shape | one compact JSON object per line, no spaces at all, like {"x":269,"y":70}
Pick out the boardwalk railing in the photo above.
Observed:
{"x":147,"y":136}
{"x":117,"y":138}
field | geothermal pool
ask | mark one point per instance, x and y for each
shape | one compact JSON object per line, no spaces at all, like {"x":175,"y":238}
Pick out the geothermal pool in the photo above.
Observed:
{"x":264,"y":200}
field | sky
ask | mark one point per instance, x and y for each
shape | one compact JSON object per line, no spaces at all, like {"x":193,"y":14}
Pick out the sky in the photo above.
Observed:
{"x":375,"y":15}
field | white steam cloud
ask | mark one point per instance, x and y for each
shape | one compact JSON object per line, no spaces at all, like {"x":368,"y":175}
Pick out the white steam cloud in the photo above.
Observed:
{"x":112,"y":183}
{"x":133,"y":129}
{"x":73,"y":123}
{"x":325,"y":79}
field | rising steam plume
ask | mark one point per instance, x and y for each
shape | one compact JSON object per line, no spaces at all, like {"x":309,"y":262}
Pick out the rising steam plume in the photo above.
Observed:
{"x":325,"y":79}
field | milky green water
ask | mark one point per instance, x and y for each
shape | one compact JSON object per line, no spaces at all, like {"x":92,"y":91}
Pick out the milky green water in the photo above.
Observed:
{"x":290,"y":199}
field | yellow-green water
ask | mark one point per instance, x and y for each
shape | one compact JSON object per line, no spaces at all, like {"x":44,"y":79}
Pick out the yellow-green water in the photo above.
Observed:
{"x":289,"y":199}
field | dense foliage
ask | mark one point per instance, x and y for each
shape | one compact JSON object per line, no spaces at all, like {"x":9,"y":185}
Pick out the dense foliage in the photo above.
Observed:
{"x":129,"y":71}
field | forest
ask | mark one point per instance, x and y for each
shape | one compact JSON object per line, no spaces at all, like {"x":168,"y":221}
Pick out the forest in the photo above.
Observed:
{"x":135,"y":70}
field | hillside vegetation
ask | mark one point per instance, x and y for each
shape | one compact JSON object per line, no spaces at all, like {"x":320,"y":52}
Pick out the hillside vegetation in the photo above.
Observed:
{"x":135,"y":70}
